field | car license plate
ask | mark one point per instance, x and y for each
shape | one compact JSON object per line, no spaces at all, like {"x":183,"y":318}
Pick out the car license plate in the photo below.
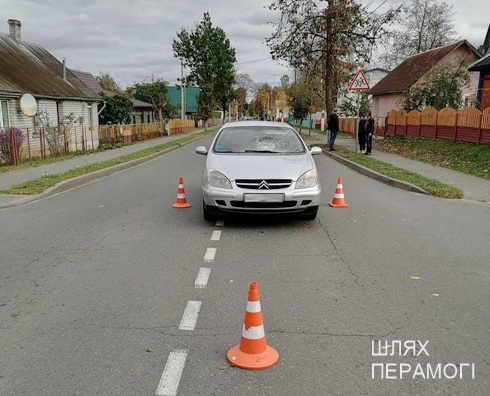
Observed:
{"x":263,"y":197}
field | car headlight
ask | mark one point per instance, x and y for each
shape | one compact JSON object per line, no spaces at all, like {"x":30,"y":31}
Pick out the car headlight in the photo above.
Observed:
{"x":217,"y":179}
{"x":308,"y":179}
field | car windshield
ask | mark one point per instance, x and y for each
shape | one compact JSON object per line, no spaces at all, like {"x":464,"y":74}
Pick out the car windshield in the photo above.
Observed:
{"x":258,"y":139}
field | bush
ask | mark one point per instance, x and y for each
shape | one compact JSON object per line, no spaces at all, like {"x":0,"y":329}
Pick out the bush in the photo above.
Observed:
{"x":6,"y":143}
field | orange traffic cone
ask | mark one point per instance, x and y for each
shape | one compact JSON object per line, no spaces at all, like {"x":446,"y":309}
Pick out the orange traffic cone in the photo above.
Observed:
{"x":253,"y":353}
{"x":338,"y":200}
{"x":181,"y":201}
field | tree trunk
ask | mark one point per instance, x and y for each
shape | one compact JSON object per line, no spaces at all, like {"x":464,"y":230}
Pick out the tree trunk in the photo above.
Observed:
{"x":162,"y":123}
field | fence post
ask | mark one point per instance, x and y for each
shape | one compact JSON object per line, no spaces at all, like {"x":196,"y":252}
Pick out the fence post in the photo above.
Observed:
{"x":420,"y":125}
{"x":43,"y":143}
{"x":479,"y":128}
{"x":437,"y":122}
{"x":28,"y":144}
{"x":394,"y":129}
{"x":456,"y":127}
{"x":55,"y":143}
{"x":13,"y":154}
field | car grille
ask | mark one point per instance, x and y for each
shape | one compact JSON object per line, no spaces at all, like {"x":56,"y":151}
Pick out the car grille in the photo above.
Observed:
{"x":263,"y":205}
{"x":263,"y":184}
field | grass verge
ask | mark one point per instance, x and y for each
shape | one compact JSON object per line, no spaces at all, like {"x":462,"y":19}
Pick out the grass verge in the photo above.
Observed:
{"x":39,"y":185}
{"x":469,"y":158}
{"x":433,"y":187}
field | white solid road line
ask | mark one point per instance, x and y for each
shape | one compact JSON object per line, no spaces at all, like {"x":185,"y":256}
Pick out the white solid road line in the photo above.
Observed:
{"x":169,"y":383}
{"x":220,"y":223}
{"x":216,"y":235}
{"x":202,"y":278}
{"x":189,"y":319}
{"x":209,"y":255}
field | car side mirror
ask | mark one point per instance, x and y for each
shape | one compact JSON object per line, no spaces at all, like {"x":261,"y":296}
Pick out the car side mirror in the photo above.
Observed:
{"x":315,"y":150}
{"x":201,"y":150}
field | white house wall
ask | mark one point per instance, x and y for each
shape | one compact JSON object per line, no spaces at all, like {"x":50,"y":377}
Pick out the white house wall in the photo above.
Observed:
{"x":81,"y":127}
{"x":17,"y":118}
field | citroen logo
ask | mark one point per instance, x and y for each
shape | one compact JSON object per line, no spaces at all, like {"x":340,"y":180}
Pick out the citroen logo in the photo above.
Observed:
{"x":263,"y":184}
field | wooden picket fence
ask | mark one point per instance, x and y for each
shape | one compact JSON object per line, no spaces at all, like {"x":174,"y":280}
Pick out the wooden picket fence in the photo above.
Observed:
{"x":469,"y":124}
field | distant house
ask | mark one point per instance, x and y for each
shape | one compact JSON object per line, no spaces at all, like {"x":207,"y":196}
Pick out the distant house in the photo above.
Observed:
{"x":483,"y":67}
{"x":191,"y":94}
{"x":389,"y":92}
{"x":61,"y":97}
{"x":373,"y":76}
{"x":142,"y":111}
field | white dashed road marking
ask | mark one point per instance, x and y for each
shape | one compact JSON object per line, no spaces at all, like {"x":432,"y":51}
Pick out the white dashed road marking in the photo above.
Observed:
{"x":216,"y":236}
{"x":169,"y":383}
{"x":202,"y":278}
{"x":189,"y":319}
{"x":209,"y":255}
{"x":220,"y":223}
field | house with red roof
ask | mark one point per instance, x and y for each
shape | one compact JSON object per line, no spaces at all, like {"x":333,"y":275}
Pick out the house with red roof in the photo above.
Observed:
{"x":388,"y":93}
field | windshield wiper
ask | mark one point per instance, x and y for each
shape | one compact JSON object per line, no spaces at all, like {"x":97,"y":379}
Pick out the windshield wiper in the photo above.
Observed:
{"x":262,"y":151}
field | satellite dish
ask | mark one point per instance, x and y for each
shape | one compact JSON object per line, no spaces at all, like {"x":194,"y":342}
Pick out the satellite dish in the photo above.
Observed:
{"x":28,"y":105}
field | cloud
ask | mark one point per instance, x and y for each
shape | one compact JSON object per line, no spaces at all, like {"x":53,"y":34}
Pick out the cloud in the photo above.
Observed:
{"x":131,"y":39}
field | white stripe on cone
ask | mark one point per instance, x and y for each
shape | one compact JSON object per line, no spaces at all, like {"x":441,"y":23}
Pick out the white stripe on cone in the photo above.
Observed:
{"x":253,"y":306}
{"x":339,"y":186}
{"x":180,"y":195}
{"x":253,"y":333}
{"x":338,"y":195}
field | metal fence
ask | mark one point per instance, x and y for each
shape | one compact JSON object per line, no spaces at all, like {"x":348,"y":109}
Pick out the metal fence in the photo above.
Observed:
{"x":18,"y":145}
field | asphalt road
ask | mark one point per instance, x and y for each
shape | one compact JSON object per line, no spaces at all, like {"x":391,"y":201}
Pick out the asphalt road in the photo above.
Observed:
{"x":94,"y":283}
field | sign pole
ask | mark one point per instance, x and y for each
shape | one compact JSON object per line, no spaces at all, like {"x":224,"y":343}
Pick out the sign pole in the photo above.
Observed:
{"x":356,"y":137}
{"x":359,"y":83}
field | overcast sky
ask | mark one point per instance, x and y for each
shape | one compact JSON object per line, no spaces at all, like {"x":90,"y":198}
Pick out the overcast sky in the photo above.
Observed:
{"x":131,"y":39}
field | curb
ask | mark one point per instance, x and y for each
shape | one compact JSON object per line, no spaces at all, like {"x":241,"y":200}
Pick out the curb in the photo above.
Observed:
{"x":375,"y":175}
{"x":89,"y":177}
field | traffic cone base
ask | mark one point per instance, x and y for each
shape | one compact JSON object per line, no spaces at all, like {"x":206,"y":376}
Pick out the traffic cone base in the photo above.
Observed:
{"x":254,"y":361}
{"x":338,"y":200}
{"x":181,"y":200}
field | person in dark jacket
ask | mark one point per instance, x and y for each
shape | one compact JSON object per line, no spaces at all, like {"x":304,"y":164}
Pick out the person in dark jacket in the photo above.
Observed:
{"x":333,"y":127}
{"x":361,"y":134}
{"x":369,"y":133}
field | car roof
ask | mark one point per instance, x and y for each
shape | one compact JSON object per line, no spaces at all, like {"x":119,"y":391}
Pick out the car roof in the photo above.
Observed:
{"x":254,"y":123}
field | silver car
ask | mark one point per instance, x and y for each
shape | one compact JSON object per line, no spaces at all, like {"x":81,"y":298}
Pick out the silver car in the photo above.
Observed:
{"x":259,"y":167}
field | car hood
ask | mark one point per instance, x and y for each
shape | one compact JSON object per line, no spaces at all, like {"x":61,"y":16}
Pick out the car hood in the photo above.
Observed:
{"x":259,"y":166}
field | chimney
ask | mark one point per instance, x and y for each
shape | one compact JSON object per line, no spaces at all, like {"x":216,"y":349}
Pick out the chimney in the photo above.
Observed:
{"x":64,"y":69}
{"x":14,"y":29}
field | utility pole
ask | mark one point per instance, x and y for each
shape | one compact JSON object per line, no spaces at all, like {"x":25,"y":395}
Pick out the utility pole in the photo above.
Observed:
{"x":182,"y":92}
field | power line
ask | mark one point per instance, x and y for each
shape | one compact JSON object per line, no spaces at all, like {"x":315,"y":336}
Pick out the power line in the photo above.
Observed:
{"x":255,"y":60}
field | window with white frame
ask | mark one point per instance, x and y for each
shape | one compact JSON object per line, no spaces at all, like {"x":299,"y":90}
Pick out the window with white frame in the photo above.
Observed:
{"x":4,"y":114}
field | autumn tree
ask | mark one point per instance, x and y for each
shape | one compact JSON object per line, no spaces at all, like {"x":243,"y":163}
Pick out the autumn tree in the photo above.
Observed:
{"x":155,"y":93}
{"x":107,"y":83}
{"x":325,"y":36}
{"x":208,"y":54}
{"x":348,"y":108}
{"x":422,"y":26}
{"x":299,"y":97}
{"x":243,"y":89}
{"x":442,"y":87}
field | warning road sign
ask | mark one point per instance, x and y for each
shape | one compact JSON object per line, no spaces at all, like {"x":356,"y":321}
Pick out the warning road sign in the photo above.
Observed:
{"x":359,"y":83}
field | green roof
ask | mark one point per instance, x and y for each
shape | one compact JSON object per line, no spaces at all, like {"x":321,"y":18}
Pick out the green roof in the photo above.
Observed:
{"x":191,"y":94}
